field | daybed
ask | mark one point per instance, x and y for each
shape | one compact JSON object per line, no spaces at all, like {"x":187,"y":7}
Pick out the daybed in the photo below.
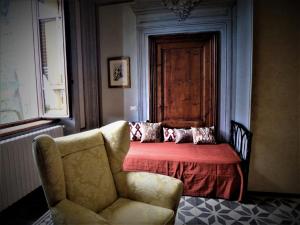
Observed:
{"x":218,"y":171}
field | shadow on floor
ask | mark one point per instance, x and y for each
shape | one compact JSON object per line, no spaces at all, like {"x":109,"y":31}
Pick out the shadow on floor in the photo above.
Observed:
{"x":26,"y":211}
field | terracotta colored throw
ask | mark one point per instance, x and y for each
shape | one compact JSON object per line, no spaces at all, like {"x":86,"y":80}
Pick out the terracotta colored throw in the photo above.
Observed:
{"x":206,"y":170}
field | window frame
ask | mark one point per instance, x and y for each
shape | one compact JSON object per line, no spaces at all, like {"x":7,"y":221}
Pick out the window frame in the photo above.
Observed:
{"x":42,"y":115}
{"x":38,"y":59}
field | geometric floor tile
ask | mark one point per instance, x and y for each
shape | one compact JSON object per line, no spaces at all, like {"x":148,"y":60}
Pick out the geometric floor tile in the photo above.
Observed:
{"x":258,"y":210}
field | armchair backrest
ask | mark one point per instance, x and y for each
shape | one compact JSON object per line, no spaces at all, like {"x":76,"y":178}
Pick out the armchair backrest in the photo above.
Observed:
{"x":116,"y":139}
{"x":76,"y":167}
{"x":50,"y":168}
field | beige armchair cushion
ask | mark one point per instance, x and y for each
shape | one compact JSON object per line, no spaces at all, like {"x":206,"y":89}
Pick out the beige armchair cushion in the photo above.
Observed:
{"x":68,"y":212}
{"x":128,"y":212}
{"x":154,"y":189}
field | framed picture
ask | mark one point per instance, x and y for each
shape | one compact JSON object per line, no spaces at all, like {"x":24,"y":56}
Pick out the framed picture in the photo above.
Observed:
{"x":118,"y":72}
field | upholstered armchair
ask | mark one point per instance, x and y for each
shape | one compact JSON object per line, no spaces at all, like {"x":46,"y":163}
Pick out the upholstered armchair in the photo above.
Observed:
{"x":84,"y":183}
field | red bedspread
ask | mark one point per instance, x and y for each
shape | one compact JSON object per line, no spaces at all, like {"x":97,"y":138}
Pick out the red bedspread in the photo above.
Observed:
{"x":206,"y":170}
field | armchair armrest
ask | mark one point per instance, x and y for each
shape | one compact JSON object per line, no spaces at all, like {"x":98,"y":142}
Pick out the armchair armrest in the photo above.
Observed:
{"x":68,"y":212}
{"x":151,"y":188}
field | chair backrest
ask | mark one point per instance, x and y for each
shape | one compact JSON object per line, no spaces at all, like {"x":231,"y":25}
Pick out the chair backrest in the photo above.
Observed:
{"x":75,"y":167}
{"x":116,"y":139}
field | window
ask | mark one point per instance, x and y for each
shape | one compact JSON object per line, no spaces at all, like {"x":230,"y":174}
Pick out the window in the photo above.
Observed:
{"x":33,"y":76}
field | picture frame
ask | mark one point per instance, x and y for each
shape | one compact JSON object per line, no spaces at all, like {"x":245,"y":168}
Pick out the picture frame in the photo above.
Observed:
{"x":119,"y":72}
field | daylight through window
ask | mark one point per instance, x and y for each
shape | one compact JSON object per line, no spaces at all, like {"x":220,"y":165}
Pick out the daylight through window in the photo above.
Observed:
{"x":33,"y":77}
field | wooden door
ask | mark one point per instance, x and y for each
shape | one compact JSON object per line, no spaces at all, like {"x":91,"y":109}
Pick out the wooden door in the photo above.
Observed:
{"x":183,"y":80}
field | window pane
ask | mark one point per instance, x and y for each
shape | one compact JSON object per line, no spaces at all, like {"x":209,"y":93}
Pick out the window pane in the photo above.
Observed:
{"x":18,"y":95}
{"x":48,"y":8}
{"x":53,"y":67}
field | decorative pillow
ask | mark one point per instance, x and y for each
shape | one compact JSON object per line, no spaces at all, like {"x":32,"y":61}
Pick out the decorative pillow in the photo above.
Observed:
{"x":169,"y":134}
{"x":183,"y":135}
{"x":203,"y":135}
{"x":135,"y":131}
{"x":150,"y":132}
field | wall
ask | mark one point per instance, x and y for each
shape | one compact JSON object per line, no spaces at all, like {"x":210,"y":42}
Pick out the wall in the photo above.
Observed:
{"x":154,"y":19}
{"x":275,"y":162}
{"x":116,"y":19}
{"x":117,"y":29}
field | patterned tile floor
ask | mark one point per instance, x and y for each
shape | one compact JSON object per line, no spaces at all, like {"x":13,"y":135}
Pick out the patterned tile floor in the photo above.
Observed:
{"x":258,"y":210}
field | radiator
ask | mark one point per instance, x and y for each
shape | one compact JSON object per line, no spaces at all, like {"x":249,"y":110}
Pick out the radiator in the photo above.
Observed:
{"x":18,"y":173}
